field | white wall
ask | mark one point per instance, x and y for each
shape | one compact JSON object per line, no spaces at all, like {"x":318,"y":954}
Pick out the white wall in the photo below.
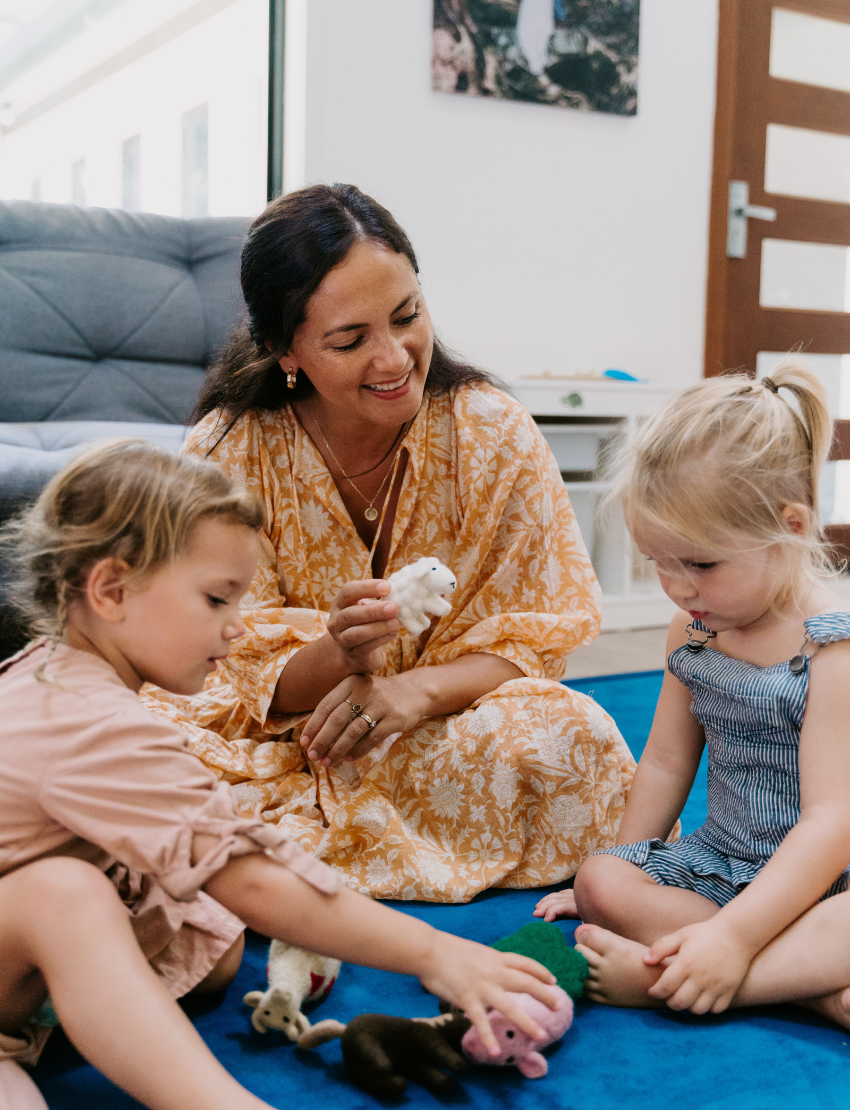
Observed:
{"x":549,"y":239}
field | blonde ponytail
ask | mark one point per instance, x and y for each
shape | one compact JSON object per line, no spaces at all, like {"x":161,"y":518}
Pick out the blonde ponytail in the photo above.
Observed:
{"x":812,"y":409}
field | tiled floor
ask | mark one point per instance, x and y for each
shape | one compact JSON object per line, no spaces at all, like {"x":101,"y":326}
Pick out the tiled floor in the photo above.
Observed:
{"x":619,"y":653}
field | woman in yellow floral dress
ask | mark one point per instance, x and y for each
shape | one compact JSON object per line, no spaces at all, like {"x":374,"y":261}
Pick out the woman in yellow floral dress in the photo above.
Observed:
{"x":422,"y":767}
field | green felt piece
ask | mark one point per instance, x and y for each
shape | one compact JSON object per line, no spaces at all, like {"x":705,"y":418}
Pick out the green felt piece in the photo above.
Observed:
{"x":545,"y":943}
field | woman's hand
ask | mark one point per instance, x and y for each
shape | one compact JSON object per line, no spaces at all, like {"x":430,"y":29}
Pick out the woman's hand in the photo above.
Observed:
{"x":334,"y":734}
{"x":706,"y":963}
{"x":361,"y":623}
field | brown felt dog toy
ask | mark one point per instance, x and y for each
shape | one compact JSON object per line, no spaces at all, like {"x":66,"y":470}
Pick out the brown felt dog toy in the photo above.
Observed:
{"x":381,"y":1053}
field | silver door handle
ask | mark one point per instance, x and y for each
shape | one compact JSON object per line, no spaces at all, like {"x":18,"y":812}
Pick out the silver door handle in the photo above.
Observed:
{"x":740,"y":210}
{"x":757,"y":212}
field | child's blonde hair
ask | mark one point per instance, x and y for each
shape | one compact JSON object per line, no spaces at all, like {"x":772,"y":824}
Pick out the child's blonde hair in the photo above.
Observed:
{"x":716,"y":465}
{"x":126,"y":499}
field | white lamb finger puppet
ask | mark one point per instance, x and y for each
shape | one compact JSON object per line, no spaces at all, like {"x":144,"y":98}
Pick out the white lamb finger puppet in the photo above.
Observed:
{"x":295,"y":976}
{"x":418,"y":589}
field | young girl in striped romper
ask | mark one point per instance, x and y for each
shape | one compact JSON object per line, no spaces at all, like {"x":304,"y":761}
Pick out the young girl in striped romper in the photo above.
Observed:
{"x":720,"y":490}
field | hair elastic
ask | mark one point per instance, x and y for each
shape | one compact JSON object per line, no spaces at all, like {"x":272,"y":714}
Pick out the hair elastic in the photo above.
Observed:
{"x":790,"y":400}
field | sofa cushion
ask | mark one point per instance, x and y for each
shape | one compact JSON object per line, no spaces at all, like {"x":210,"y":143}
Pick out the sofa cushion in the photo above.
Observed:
{"x":30,"y":454}
{"x":110,"y":315}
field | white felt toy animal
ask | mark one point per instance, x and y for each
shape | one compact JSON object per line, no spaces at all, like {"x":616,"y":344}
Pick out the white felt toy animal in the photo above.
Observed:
{"x":417,"y":589}
{"x":295,"y":976}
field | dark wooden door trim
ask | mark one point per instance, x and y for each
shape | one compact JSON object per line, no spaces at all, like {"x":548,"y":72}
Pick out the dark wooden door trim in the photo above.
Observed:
{"x":817,"y":109}
{"x":826,"y":9}
{"x":724,"y":120}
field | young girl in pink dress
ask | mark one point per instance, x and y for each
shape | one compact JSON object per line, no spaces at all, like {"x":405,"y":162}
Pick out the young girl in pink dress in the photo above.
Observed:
{"x":126,"y":878}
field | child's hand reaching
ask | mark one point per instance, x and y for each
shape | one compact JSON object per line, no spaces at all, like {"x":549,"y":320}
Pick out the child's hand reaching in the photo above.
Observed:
{"x":706,"y":964}
{"x":477,"y":978}
{"x":562,"y":903}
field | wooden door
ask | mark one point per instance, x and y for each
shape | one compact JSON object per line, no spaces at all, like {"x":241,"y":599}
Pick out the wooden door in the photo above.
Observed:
{"x":783,"y":127}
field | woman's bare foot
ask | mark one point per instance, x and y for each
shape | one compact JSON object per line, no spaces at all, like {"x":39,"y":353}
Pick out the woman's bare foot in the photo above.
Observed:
{"x":617,"y":975}
{"x":835,"y":1006}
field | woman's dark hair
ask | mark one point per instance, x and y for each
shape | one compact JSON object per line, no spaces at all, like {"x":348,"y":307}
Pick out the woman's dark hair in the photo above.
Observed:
{"x":291,"y":248}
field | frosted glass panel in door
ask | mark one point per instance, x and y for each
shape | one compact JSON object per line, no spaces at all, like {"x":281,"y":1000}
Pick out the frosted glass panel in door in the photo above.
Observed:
{"x":838,"y":512}
{"x":833,"y":371}
{"x":809,"y":49}
{"x":803,"y":163}
{"x":804,"y":275}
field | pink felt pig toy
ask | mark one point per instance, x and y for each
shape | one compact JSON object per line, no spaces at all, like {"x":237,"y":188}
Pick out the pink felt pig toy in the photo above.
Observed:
{"x":516,"y":1047}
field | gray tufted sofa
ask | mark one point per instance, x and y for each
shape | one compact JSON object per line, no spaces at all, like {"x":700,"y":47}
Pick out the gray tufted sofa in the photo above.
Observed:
{"x":108,"y":321}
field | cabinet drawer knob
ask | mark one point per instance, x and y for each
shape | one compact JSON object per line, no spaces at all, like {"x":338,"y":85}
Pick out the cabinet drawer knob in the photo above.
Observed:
{"x":572,"y":400}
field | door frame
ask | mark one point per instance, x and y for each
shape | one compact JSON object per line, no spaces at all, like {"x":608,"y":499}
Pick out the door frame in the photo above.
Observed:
{"x":723,"y":159}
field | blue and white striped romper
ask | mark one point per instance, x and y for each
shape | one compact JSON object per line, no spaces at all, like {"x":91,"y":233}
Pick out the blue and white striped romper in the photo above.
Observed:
{"x":752,"y":718}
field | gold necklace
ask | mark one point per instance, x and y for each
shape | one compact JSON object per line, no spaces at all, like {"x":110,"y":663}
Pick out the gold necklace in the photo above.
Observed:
{"x":371,"y":512}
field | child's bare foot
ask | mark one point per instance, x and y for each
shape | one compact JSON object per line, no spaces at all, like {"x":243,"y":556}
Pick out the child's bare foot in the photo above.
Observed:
{"x":617,"y":975}
{"x":561,"y":903}
{"x":835,"y":1006}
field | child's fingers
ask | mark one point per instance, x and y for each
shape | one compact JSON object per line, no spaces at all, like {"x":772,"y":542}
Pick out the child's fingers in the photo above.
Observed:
{"x":527,"y":966}
{"x":669,"y":983}
{"x":477,"y":1014}
{"x":513,"y":1011}
{"x":685,"y":996}
{"x":723,"y":1002}
{"x":663,"y":947}
{"x":705,"y":1002}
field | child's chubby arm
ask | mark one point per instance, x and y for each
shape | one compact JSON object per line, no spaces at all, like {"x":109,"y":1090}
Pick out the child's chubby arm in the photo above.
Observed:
{"x":664,"y":774}
{"x":668,"y":765}
{"x":277,"y":903}
{"x":706,"y":962}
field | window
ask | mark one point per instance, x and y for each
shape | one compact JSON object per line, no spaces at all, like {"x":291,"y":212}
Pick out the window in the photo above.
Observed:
{"x":195,"y":161}
{"x":152,"y":105}
{"x":78,"y":182}
{"x":131,"y":173}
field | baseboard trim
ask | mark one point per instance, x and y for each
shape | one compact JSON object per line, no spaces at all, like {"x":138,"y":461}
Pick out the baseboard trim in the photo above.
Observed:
{"x":623,"y":612}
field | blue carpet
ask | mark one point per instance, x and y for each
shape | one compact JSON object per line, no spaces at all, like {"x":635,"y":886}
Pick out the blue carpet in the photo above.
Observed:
{"x":610,"y":1059}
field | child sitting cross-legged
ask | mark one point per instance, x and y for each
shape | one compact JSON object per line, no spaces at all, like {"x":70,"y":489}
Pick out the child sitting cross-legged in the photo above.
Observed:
{"x":126,"y":878}
{"x":720,"y":490}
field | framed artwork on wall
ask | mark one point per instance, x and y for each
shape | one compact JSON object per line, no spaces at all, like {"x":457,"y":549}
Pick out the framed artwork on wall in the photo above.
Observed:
{"x":567,"y":53}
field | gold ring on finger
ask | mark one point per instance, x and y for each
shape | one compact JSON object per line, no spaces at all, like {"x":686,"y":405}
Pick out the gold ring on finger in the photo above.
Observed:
{"x":355,"y":710}
{"x":368,"y":720}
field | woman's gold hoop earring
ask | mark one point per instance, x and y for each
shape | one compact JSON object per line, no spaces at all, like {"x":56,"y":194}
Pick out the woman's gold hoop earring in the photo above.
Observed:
{"x":291,"y":375}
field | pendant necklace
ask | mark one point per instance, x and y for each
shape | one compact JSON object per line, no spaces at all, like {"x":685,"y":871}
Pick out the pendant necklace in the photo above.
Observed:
{"x":371,"y":512}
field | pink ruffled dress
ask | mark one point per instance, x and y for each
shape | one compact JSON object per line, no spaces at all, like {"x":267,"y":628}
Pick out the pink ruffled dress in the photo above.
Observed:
{"x":87,"y":771}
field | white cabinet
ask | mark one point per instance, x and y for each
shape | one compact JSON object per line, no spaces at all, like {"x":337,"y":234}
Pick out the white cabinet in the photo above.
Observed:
{"x":581,"y":419}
